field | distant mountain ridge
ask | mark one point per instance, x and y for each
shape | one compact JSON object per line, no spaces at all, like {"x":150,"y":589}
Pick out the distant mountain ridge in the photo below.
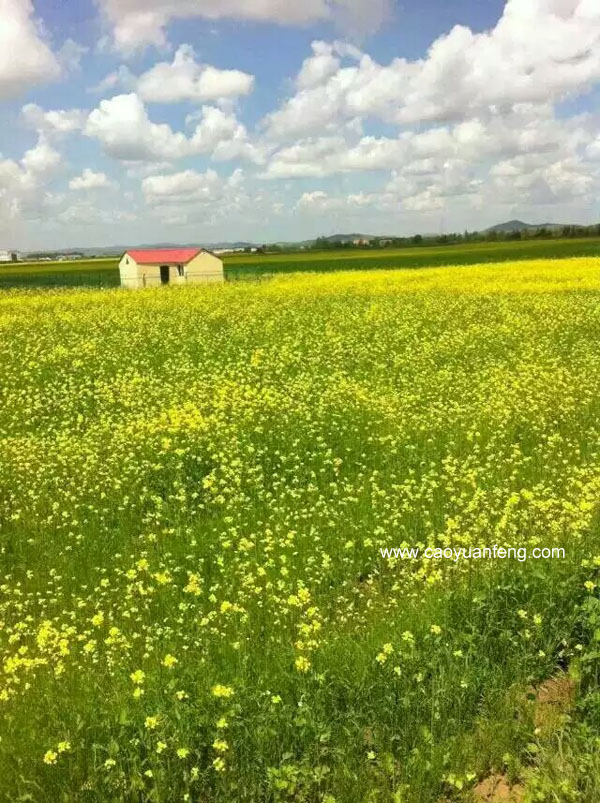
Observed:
{"x":519,"y":225}
{"x":109,"y":250}
{"x":119,"y":249}
{"x":348,"y":238}
{"x":509,"y":227}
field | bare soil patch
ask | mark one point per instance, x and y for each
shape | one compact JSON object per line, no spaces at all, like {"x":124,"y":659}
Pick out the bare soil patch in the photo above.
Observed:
{"x":497,"y":789}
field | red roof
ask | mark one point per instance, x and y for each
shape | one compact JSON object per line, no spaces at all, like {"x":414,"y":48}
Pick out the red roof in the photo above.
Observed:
{"x":153,"y":256}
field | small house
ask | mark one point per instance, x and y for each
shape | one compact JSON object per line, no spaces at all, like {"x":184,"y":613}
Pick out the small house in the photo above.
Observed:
{"x":156,"y":266}
{"x":9,"y":256}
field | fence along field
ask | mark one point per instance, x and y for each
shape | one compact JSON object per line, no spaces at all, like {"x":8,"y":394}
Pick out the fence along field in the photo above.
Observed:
{"x":104,"y":272}
{"x":195,"y":487}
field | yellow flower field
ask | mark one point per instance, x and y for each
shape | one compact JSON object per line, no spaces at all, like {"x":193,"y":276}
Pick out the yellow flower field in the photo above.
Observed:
{"x":195,"y":488}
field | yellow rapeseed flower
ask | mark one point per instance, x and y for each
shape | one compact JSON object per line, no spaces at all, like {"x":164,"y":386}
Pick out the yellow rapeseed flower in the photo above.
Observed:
{"x":302,"y":663}
{"x":222,"y":691}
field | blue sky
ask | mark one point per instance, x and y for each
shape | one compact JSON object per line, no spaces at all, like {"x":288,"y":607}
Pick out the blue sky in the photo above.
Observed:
{"x":133,"y":121}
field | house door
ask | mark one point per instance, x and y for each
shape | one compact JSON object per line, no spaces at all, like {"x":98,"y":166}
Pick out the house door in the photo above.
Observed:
{"x":164,"y":274}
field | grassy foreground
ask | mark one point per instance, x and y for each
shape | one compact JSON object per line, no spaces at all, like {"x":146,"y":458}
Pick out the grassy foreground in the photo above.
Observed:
{"x":243,"y":265}
{"x":105,"y":273}
{"x":195,"y":485}
{"x":76,"y":273}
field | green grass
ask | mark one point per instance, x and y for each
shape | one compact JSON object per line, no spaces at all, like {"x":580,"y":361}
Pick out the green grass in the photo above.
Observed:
{"x":543,"y":248}
{"x":104,"y":272}
{"x":243,"y":266}
{"x":77,"y":265}
{"x":76,"y":273}
{"x":194,"y":490}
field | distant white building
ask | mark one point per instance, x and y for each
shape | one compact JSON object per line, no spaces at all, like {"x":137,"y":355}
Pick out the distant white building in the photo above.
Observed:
{"x":9,"y":256}
{"x":153,"y":267}
{"x":239,"y":250}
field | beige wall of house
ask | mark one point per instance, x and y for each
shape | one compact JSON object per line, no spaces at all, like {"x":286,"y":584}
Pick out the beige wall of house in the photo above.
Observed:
{"x":207,"y":266}
{"x":202,"y":269}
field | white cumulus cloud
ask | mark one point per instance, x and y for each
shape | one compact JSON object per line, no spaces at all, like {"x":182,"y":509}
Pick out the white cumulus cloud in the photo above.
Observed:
{"x":123,"y":127}
{"x":207,"y":198}
{"x":56,"y":122}
{"x":90,"y":180}
{"x":137,"y":23}
{"x":316,"y":69}
{"x":24,"y":192}
{"x":189,"y":186}
{"x":42,"y":159}
{"x":540,"y":51}
{"x":25,"y":57}
{"x":185,"y":79}
{"x":220,"y":133}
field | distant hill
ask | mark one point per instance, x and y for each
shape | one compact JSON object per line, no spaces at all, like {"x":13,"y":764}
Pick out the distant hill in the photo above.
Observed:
{"x":345,"y":238}
{"x":519,"y":225}
{"x":117,"y":250}
{"x":348,"y":238}
{"x":333,"y":239}
{"x":324,"y":242}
